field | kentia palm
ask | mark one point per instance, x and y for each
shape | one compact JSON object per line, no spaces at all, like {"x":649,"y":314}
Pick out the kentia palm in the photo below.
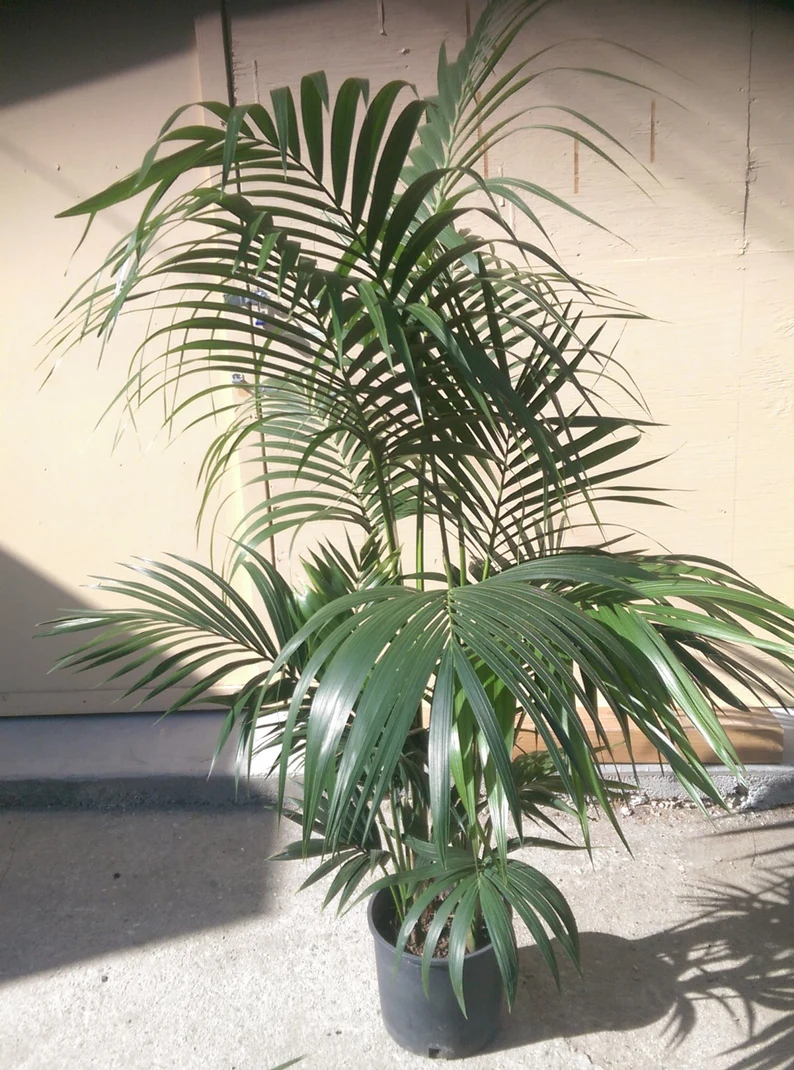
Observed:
{"x":412,"y":382}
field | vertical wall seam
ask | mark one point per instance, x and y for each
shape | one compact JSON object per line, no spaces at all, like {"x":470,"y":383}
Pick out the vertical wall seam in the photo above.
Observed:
{"x":228,"y":57}
{"x":749,"y":169}
{"x":749,"y":173}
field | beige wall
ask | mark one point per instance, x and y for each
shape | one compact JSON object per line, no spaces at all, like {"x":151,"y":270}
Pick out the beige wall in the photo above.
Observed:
{"x":707,"y":249}
{"x":708,"y":253}
{"x":85,"y":89}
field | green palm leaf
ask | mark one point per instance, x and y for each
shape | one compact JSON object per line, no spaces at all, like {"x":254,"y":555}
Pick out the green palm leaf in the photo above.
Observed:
{"x":368,"y":358}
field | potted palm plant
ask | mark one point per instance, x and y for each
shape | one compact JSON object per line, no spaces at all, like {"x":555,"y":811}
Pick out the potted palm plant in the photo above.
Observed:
{"x":409,"y":382}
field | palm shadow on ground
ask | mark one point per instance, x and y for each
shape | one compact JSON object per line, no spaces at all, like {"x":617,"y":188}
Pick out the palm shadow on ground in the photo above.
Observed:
{"x":736,"y":949}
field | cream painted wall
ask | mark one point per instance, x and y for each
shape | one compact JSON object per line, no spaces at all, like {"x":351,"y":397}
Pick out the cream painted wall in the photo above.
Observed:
{"x":707,"y":250}
{"x":709,"y":253}
{"x":85,"y":89}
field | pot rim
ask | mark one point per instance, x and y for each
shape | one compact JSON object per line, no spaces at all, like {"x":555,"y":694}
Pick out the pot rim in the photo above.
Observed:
{"x":437,"y":961}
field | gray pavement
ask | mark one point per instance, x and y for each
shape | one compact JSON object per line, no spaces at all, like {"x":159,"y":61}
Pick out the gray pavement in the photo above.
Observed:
{"x":150,"y":938}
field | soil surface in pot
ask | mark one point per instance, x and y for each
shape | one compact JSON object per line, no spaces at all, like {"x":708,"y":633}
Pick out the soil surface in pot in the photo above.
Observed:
{"x":415,"y":944}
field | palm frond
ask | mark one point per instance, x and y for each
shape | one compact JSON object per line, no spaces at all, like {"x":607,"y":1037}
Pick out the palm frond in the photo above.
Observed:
{"x":378,"y":348}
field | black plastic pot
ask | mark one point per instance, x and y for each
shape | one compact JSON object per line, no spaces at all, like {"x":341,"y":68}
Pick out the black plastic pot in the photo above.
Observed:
{"x":433,"y":1025}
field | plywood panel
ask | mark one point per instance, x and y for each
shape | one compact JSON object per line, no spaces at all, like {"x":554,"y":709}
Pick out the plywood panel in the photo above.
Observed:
{"x":75,"y":118}
{"x":691,"y":251}
{"x":756,"y":735}
{"x":764,"y":510}
{"x":274,"y":44}
{"x":770,"y":203}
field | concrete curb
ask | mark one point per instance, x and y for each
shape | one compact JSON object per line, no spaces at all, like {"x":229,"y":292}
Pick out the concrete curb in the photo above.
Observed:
{"x":150,"y":792}
{"x":766,"y":788}
{"x":136,"y":760}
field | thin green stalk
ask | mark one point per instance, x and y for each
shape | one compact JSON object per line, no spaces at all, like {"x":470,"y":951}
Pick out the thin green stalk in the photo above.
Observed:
{"x":399,"y":901}
{"x":420,"y":527}
{"x":396,"y":890}
{"x":257,"y":377}
{"x":446,"y":553}
{"x":476,"y":925}
{"x":399,"y":846}
{"x":265,"y":469}
{"x":461,"y":546}
{"x":385,"y":500}
{"x":497,"y":511}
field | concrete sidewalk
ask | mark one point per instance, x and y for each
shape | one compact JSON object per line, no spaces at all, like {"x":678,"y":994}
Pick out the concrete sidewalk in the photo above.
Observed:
{"x":140,"y":939}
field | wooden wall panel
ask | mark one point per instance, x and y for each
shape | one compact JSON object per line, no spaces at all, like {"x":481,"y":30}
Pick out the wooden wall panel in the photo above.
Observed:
{"x":704,"y":248}
{"x":84,"y":91}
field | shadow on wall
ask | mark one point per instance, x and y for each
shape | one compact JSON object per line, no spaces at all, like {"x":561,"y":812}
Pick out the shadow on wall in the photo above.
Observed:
{"x":28,"y":599}
{"x":48,"y":47}
{"x":51,"y":47}
{"x":27,"y":687}
{"x":57,"y":46}
{"x":86,"y":885}
{"x":736,"y":949}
